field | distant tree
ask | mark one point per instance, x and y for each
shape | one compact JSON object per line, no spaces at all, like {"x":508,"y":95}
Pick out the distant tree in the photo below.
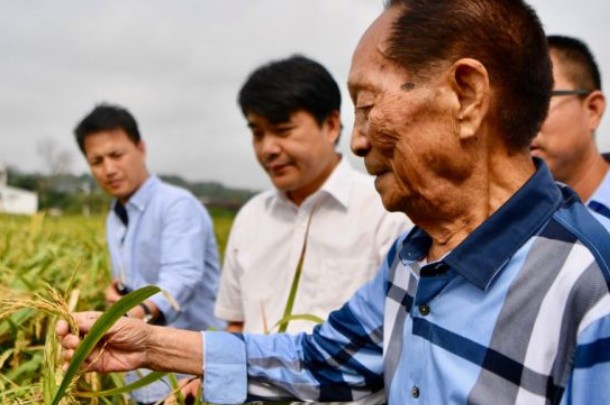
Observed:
{"x":57,"y":161}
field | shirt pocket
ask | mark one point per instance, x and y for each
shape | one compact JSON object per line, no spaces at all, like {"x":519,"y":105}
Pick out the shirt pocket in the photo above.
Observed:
{"x":258,"y":315}
{"x":259,"y":303}
{"x":340,"y":279}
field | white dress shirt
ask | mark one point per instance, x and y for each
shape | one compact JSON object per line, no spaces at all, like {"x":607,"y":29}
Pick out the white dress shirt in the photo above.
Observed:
{"x":349,"y":234}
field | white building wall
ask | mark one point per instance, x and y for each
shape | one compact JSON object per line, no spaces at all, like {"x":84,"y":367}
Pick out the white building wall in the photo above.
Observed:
{"x":16,"y":201}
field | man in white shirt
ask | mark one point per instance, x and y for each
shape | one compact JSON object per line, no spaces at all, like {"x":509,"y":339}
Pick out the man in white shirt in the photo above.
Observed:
{"x":323,"y":217}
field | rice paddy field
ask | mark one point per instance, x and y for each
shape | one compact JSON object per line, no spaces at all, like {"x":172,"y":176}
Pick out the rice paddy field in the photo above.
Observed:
{"x":50,"y":266}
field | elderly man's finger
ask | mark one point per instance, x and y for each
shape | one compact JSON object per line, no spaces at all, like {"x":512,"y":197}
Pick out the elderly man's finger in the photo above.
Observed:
{"x":67,"y":354}
{"x":70,"y":342}
{"x":61,"y":328}
{"x":85,"y":320}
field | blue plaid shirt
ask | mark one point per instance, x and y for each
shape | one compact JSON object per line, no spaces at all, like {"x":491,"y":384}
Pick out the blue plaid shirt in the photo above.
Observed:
{"x":519,"y":312}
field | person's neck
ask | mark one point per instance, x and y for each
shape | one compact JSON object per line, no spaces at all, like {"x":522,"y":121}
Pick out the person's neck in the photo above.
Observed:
{"x":460,"y":208}
{"x":124,"y":200}
{"x":300,"y":195}
{"x":589,"y":176}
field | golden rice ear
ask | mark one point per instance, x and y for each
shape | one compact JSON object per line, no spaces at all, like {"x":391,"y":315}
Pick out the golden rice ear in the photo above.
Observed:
{"x":172,"y":301}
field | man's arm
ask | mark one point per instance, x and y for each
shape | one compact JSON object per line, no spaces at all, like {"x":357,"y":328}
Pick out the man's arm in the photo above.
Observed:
{"x":588,"y":380}
{"x":131,"y":344}
{"x":185,"y":232}
{"x":340,"y":361}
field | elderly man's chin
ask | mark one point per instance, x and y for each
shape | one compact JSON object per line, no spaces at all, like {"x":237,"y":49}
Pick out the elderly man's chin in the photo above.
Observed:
{"x":391,"y":197}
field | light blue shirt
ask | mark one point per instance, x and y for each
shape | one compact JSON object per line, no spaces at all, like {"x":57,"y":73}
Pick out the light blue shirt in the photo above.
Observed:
{"x":600,"y":200}
{"x":169,"y":242}
{"x":518,"y":313}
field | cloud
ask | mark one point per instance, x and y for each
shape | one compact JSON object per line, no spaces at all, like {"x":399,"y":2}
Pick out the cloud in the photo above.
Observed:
{"x":177,"y":65}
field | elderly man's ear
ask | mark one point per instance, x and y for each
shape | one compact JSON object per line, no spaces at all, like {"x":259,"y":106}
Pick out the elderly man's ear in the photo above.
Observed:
{"x":470,"y":82}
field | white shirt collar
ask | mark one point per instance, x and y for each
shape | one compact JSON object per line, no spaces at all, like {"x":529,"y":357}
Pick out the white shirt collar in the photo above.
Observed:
{"x":337,"y":186}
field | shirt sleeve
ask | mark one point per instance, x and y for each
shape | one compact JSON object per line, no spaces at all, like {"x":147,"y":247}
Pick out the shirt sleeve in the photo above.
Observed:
{"x":588,"y":382}
{"x":340,"y":361}
{"x":185,"y":231}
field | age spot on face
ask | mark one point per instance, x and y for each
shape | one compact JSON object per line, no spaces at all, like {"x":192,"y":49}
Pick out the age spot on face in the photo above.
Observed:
{"x":408,"y":86}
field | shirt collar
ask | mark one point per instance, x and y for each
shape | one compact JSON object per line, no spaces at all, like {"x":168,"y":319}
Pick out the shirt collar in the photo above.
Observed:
{"x":337,"y":186}
{"x":144,"y":193}
{"x":602,"y":193}
{"x":481,"y":256}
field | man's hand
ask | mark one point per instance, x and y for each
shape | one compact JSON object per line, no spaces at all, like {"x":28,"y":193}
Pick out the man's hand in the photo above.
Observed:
{"x":131,"y":344}
{"x":112,"y":293}
{"x":123,"y":348}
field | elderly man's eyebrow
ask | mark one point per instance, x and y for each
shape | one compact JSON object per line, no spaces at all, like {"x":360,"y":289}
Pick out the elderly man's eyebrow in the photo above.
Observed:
{"x":357,"y":87}
{"x":408,"y":86}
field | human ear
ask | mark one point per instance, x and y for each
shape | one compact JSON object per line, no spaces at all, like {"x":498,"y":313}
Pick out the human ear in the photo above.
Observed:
{"x":596,"y":105}
{"x":470,"y":82}
{"x":333,"y":126}
{"x":141,"y":146}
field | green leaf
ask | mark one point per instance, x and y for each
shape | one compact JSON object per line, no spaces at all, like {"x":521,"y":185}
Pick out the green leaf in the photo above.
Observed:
{"x":300,"y":317}
{"x":147,"y":379}
{"x":97,"y":332}
{"x":292,"y":295}
{"x":176,"y":393}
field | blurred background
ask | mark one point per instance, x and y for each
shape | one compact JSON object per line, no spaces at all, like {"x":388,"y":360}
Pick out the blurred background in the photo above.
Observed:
{"x":177,"y":66}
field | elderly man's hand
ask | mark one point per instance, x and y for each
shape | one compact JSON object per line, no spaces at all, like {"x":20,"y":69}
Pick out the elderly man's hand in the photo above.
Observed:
{"x":123,"y":347}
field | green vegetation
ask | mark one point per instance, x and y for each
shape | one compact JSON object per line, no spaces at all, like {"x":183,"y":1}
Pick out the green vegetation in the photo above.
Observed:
{"x":49,"y":266}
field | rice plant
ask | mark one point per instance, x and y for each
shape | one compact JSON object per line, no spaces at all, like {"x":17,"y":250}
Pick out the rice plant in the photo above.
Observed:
{"x":49,"y":267}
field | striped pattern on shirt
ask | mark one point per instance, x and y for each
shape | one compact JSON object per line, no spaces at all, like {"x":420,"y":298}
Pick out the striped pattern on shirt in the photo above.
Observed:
{"x":518,"y":313}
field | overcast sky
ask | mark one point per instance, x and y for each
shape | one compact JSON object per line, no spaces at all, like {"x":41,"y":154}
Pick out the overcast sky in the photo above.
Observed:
{"x":177,"y":66}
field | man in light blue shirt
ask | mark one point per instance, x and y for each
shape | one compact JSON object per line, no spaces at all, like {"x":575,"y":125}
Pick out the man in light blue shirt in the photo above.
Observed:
{"x":157,"y":234}
{"x":567,"y":139}
{"x":500,"y":293}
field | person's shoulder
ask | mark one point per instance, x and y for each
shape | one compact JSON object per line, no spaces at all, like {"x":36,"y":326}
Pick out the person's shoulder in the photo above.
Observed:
{"x":168,"y":193}
{"x":168,"y":196}
{"x":575,"y":223}
{"x":256,"y":203}
{"x":174,"y":190}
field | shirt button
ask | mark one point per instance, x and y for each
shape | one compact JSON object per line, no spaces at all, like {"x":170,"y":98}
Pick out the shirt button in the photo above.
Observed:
{"x":424,"y":309}
{"x":415,"y":392}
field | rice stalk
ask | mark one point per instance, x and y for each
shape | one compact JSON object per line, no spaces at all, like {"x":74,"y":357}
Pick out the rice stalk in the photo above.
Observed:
{"x":97,"y":332}
{"x":147,"y":379}
{"x":298,"y":317}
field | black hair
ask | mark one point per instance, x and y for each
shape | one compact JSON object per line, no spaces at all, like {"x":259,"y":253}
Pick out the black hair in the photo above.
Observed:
{"x":506,"y":36}
{"x":279,"y":88}
{"x":580,"y":66}
{"x":106,"y":117}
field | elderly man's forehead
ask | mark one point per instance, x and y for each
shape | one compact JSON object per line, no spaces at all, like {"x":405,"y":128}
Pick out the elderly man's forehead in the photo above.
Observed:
{"x":379,"y":31}
{"x":374,"y":41}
